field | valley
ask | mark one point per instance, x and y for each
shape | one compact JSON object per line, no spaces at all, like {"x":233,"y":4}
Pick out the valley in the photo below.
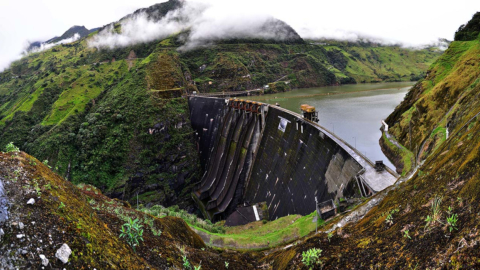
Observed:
{"x":135,"y":146}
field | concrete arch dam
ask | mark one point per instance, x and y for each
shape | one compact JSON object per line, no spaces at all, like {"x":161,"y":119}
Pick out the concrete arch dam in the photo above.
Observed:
{"x":259,"y":153}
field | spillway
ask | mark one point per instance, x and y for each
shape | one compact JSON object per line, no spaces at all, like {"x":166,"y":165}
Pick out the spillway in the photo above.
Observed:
{"x":257,"y":153}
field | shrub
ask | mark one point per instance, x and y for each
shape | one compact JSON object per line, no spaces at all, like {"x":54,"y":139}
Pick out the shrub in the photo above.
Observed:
{"x":311,"y":257}
{"x":132,"y":231}
{"x":11,"y":148}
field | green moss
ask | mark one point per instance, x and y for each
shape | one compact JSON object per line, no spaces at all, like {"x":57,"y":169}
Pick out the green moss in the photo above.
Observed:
{"x":406,"y":157}
{"x":257,"y":235}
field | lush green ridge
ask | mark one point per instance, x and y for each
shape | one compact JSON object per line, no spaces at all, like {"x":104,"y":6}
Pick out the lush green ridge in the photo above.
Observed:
{"x":100,"y":124}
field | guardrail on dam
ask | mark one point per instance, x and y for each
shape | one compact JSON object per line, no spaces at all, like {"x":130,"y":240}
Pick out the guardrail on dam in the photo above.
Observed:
{"x":254,"y":153}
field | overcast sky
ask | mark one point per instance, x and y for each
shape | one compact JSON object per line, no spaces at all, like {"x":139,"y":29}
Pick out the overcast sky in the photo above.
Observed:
{"x":412,"y":22}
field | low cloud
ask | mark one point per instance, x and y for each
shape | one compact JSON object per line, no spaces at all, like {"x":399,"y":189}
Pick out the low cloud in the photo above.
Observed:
{"x":45,"y":46}
{"x":140,"y":29}
{"x":354,"y":36}
{"x":205,"y":23}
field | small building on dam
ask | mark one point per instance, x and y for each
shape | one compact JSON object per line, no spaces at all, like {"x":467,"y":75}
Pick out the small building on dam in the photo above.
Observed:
{"x":255,"y":153}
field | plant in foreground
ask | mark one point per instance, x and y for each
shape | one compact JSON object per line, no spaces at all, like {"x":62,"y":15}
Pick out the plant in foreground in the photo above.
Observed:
{"x":61,"y":205}
{"x":45,"y":162}
{"x":329,"y":236}
{"x":389,"y":219}
{"x":406,"y":234}
{"x":186,"y":263}
{"x":132,"y":231}
{"x":311,"y":257}
{"x":226,"y":265}
{"x":436,"y":213}
{"x":452,"y":222}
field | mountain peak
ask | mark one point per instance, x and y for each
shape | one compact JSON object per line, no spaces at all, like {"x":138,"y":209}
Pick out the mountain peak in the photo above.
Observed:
{"x":80,"y":30}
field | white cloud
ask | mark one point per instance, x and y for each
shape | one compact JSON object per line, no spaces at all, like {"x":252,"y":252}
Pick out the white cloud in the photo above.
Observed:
{"x":410,"y":21}
{"x":138,"y":29}
{"x":205,"y":23}
{"x":46,"y":46}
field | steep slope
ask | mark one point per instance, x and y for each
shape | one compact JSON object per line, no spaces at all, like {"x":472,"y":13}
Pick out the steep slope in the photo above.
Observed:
{"x":470,"y":31}
{"x":101,"y":124}
{"x":430,"y":220}
{"x":442,"y":101}
{"x":46,"y":212}
{"x":367,"y":61}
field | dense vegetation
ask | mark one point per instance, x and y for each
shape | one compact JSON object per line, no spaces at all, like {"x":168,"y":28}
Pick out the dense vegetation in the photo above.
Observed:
{"x":469,"y":31}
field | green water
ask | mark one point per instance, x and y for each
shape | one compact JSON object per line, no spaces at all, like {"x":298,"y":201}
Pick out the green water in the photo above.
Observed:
{"x":353,"y":116}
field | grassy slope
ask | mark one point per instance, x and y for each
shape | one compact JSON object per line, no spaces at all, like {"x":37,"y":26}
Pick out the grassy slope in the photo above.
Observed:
{"x":373,"y":63}
{"x":253,"y":236}
{"x":90,"y":224}
{"x":439,"y":99}
{"x":257,"y":235}
{"x":92,"y":118}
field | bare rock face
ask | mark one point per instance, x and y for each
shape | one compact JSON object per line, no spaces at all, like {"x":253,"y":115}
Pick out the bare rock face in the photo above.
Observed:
{"x":63,"y":253}
{"x":44,"y":260}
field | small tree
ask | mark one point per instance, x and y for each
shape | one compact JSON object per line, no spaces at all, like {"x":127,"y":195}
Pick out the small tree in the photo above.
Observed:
{"x":311,"y":257}
{"x":132,"y":231}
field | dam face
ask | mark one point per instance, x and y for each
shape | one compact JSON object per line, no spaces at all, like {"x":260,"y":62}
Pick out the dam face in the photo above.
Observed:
{"x":255,"y":153}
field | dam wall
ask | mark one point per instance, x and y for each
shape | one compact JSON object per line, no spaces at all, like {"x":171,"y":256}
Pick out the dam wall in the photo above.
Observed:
{"x":297,"y":162}
{"x":272,"y":155}
{"x":206,"y":116}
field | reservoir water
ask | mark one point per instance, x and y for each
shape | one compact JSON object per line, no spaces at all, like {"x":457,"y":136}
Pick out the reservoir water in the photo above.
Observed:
{"x":353,"y":112}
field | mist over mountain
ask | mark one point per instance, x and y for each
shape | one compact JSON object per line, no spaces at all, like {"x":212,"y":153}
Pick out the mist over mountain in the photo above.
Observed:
{"x":202,"y":23}
{"x":73,"y":34}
